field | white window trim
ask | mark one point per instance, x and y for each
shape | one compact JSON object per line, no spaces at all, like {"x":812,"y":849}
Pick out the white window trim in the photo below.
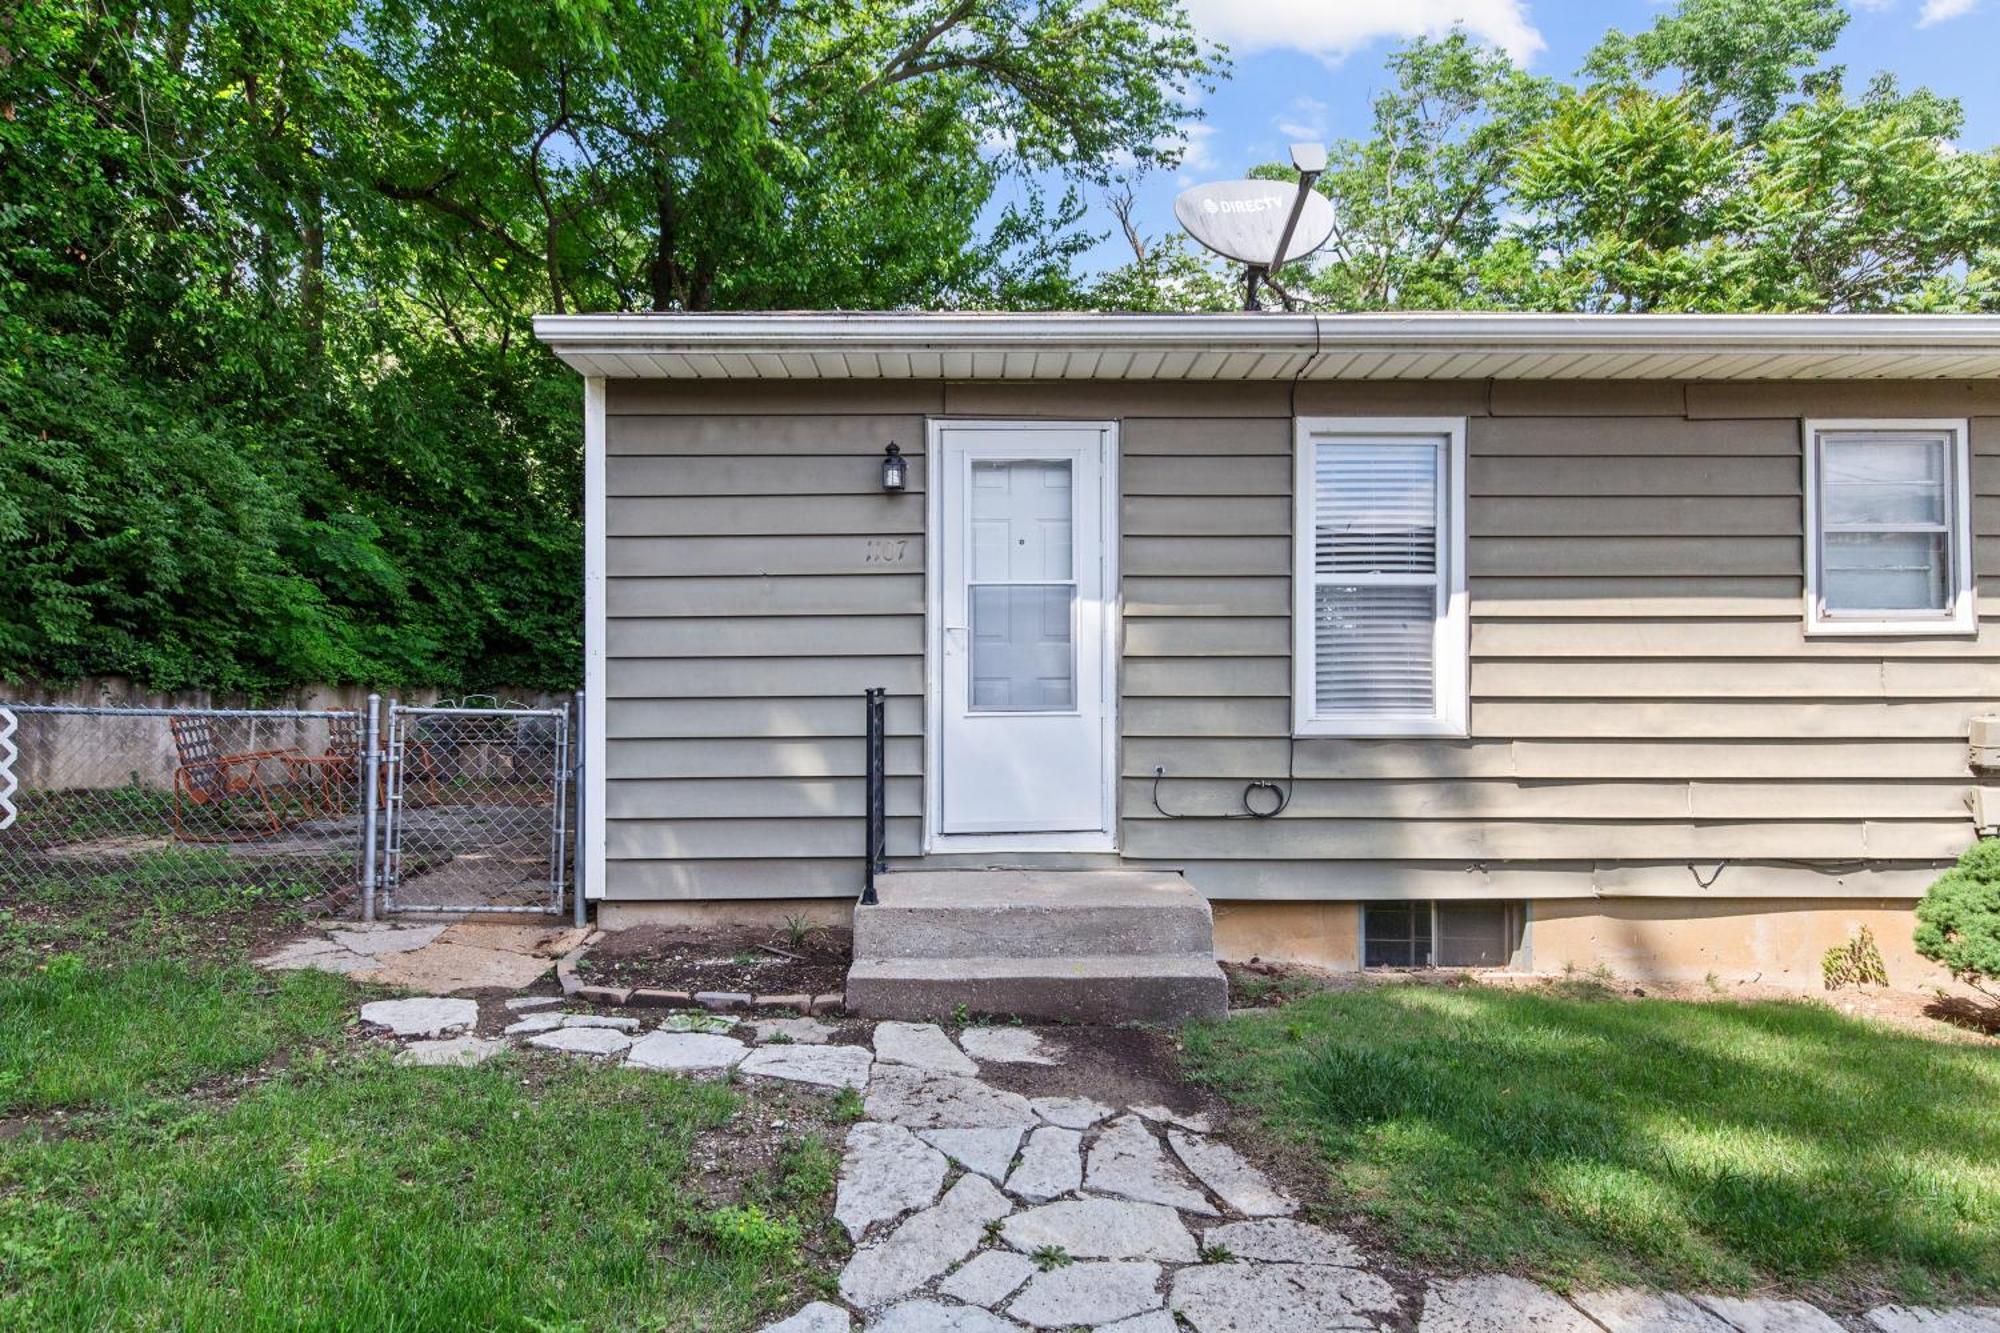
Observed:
{"x":1963,"y":617}
{"x":1450,"y":654}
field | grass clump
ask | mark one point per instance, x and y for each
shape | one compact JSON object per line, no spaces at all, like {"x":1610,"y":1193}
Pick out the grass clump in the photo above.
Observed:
{"x":1597,"y":1140}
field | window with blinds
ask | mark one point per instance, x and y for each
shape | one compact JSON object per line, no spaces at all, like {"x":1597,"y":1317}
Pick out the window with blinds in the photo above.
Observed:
{"x":1379,"y":640}
{"x":1889,"y":548}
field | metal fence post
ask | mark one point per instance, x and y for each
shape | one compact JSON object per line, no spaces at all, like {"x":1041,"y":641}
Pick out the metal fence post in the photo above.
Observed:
{"x":877,"y":821}
{"x":371,"y":790}
{"x":577,"y":861}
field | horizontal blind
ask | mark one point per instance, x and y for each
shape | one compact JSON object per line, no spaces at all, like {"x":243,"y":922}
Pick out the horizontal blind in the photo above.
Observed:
{"x":1375,"y":508}
{"x":1375,"y":566}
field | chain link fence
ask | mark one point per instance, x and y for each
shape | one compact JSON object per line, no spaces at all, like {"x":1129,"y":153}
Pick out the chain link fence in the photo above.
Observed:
{"x":204,"y":803}
{"x":397,"y":808}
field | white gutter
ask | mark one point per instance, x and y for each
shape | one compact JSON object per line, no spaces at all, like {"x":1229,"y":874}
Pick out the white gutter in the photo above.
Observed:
{"x":1922,"y":338}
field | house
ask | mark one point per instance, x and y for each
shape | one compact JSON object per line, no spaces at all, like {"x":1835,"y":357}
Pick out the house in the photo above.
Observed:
{"x":1464,"y":639}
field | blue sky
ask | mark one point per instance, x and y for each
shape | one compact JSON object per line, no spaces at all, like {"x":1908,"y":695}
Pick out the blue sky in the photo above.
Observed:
{"x":1310,"y":66}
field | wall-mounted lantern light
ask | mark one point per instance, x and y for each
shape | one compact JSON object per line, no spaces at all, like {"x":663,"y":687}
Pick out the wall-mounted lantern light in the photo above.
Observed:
{"x":895,"y":469}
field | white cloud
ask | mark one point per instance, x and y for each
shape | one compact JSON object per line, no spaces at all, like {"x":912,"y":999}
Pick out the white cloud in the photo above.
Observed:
{"x":1305,"y":118}
{"x":1939,"y":11}
{"x":1333,"y":29}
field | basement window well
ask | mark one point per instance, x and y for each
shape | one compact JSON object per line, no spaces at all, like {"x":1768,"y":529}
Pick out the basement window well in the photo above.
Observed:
{"x":1443,"y":934}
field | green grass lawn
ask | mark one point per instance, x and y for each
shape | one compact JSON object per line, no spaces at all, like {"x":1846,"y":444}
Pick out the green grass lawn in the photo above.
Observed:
{"x":186,"y":1143}
{"x":1584,"y":1138}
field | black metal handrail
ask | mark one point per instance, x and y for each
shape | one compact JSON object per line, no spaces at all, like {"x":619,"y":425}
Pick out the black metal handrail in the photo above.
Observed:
{"x":876,"y":853}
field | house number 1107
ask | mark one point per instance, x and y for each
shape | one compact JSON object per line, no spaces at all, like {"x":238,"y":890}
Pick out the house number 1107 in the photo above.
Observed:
{"x":887,"y":551}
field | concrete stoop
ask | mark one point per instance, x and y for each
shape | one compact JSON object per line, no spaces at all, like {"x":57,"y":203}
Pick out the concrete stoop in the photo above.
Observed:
{"x":1093,"y":946}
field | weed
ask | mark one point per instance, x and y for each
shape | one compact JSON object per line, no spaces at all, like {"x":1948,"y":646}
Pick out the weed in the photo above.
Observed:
{"x":1216,"y":1254}
{"x":745,"y":1230}
{"x":801,"y":931}
{"x":1855,"y":963}
{"x":1049,"y":1257}
{"x":847,"y":1106}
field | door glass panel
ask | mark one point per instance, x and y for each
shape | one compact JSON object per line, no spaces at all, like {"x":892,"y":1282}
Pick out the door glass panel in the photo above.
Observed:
{"x":1023,"y":654}
{"x":1021,"y":520}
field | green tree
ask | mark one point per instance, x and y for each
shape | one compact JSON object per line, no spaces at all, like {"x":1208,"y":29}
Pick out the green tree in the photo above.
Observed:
{"x":269,"y":413}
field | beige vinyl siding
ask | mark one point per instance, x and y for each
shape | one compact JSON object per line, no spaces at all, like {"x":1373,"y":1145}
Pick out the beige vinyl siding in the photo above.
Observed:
{"x":759,"y":581}
{"x":1645,"y":705}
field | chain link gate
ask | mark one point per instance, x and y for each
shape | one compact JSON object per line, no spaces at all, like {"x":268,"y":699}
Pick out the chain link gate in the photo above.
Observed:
{"x":475,"y":809}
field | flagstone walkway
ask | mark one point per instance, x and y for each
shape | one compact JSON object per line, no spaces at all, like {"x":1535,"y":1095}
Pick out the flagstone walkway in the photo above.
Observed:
{"x":977,"y":1209}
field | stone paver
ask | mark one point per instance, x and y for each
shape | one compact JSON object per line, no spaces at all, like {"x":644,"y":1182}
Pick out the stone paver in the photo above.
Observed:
{"x":1278,"y":1240}
{"x":1768,"y":1316}
{"x":379,"y":940}
{"x":988,"y":1277}
{"x":922,"y":1046}
{"x":1069,"y":1112}
{"x":886,"y":1171}
{"x":1922,"y":1319}
{"x":619,"y":1021}
{"x":1191,"y":1120}
{"x":686,"y":1052}
{"x":806,"y":1031}
{"x":1279,"y":1298}
{"x":451,"y":1051}
{"x":444,"y":966}
{"x":1051,"y":1165}
{"x":819,"y":1317}
{"x":990,"y":1152}
{"x":1241,"y":1187}
{"x":521,"y":1003}
{"x":821,"y":1066}
{"x":1128,"y":1161}
{"x":1630,"y":1310}
{"x":1008,"y":1046}
{"x":1159,"y":1321}
{"x":1498,"y":1304}
{"x":318,"y":954}
{"x":426,"y":1016}
{"x":924,"y":1246}
{"x":1087,"y":1294}
{"x":936,"y":1317}
{"x":923,"y":1100}
{"x":1102,"y":1229}
{"x":583,"y":1041}
{"x":533,"y":1023}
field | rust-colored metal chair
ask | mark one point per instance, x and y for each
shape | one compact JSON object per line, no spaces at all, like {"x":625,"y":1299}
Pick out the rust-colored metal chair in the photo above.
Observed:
{"x":207,"y":779}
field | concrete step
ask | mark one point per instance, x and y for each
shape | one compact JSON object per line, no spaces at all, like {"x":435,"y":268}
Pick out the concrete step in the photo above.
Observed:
{"x":1099,"y":946}
{"x":1119,"y":989}
{"x":1033,"y":914}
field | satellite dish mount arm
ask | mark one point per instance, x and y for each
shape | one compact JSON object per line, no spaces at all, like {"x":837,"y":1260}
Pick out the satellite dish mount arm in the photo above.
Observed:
{"x":1310,"y":160}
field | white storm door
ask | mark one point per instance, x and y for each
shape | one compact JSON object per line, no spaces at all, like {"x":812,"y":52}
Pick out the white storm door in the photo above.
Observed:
{"x":1022,"y":625}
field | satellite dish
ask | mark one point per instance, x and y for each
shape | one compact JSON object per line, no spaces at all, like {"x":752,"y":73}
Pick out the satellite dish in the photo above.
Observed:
{"x":1254,"y":223}
{"x":1245,"y":220}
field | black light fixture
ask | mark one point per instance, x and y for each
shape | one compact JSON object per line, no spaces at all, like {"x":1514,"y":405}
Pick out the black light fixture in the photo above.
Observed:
{"x":895,"y":471}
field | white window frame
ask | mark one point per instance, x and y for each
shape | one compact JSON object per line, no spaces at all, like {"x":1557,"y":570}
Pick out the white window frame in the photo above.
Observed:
{"x":1962,"y":616}
{"x":1449,"y":656}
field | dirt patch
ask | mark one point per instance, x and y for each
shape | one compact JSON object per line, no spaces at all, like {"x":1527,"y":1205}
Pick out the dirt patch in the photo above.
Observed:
{"x":757,"y":961}
{"x":107,"y":928}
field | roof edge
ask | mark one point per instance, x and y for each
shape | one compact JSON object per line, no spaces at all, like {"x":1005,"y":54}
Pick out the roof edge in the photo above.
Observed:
{"x":1249,"y":345}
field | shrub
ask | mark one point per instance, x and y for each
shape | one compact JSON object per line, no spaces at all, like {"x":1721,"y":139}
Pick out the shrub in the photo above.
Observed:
{"x":1958,"y":921}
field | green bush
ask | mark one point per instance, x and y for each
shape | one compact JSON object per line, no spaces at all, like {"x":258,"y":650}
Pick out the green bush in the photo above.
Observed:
{"x":1958,"y":922}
